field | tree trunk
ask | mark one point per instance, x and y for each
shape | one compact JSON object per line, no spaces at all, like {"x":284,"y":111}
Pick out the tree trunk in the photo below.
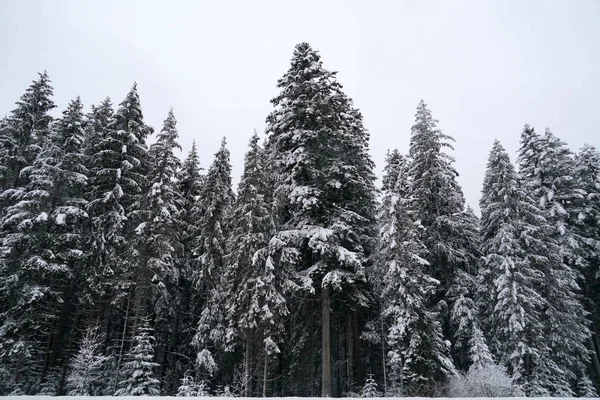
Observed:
{"x":247,"y":366}
{"x":350,"y":352}
{"x":594,"y":356}
{"x":325,"y":343}
{"x":383,"y":358}
{"x":265,"y":375}
{"x":122,"y":348}
{"x":359,"y":373}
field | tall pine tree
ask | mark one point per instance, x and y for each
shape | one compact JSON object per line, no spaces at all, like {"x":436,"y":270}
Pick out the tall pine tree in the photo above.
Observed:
{"x":324,"y":194}
{"x":545,"y":168}
{"x":209,"y":252}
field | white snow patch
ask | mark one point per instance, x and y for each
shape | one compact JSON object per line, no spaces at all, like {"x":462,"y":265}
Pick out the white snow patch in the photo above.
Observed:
{"x":61,"y":219}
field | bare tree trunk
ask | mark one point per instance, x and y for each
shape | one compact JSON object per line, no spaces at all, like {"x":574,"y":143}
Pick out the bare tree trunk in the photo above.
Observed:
{"x":350,"y":352}
{"x":594,"y":356}
{"x":359,"y":373}
{"x":325,"y":343}
{"x":383,"y":356}
{"x":247,"y":367}
{"x":265,"y":375}
{"x":122,"y":348}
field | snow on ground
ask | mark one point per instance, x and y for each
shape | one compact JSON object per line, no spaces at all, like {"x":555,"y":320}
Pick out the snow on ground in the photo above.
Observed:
{"x":270,"y":398}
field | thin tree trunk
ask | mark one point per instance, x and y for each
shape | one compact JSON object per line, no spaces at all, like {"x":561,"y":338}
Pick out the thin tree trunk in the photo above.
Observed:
{"x":311,"y":342}
{"x":265,"y":375}
{"x":383,"y":356}
{"x":325,"y":343}
{"x":122,"y":348}
{"x":350,"y":351}
{"x":247,"y":367}
{"x":359,"y":373}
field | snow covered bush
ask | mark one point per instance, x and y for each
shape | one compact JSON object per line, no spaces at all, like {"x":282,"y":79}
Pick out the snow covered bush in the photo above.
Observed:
{"x":488,"y":381}
{"x":190,"y":388}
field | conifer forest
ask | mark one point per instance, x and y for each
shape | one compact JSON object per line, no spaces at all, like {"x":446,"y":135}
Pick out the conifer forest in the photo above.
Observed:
{"x":127,"y":271}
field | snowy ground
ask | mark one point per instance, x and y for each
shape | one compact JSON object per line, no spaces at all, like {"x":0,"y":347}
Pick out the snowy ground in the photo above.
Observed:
{"x":229,"y":398}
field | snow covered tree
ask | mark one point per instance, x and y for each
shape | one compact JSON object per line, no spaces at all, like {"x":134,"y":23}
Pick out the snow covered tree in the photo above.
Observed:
{"x":469,"y":346}
{"x":43,"y":248}
{"x":545,"y":168}
{"x":395,"y":164}
{"x":24,"y":132}
{"x":122,"y":165}
{"x":209,"y":250}
{"x":418,"y":355}
{"x":436,"y":195}
{"x":256,"y":306}
{"x":158,"y":239}
{"x":86,"y":369}
{"x":587,"y":227}
{"x":138,"y":370}
{"x":450,"y":233}
{"x":510,"y":280}
{"x":190,"y":183}
{"x":96,"y":129}
{"x":157,"y":236}
{"x":324,"y":190}
{"x":370,"y":388}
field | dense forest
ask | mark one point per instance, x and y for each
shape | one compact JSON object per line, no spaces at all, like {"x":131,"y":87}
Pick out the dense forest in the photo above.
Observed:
{"x":126,"y":271}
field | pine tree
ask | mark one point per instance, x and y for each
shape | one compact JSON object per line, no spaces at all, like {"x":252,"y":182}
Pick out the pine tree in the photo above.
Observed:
{"x":210,"y":244}
{"x":25,"y":132}
{"x":256,"y":306}
{"x":324,"y":190}
{"x":86,"y":367}
{"x":436,"y":194}
{"x":394,"y":170}
{"x":395,"y":164}
{"x":43,"y":249}
{"x":138,"y":370}
{"x":122,"y":166}
{"x":189,"y":185}
{"x":545,"y":168}
{"x":587,"y":227}
{"x":370,"y":388}
{"x":469,"y":346}
{"x":512,"y":303}
{"x":157,"y":236}
{"x":449,"y":234}
{"x":418,"y":355}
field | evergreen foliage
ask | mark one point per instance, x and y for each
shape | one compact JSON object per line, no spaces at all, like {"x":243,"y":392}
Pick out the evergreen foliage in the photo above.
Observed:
{"x":305,"y":279}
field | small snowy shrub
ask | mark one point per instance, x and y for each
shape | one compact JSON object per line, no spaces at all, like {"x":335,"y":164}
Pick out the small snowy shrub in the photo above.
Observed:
{"x":488,"y":381}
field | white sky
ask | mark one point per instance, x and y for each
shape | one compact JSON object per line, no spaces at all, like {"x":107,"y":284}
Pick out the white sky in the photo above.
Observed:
{"x":484,"y":68}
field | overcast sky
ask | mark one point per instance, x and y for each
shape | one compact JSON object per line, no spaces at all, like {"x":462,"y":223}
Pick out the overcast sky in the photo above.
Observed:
{"x":484,"y":68}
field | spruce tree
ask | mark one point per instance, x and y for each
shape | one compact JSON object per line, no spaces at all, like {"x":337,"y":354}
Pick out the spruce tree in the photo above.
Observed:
{"x":587,"y":227}
{"x":157,"y":236}
{"x":209,"y":252}
{"x":25,"y":131}
{"x":138,"y":370}
{"x":418,"y":356}
{"x":545,"y":168}
{"x":324,"y":191}
{"x":514,"y":306}
{"x":256,"y":306}
{"x":449,"y":233}
{"x":86,"y":367}
{"x":122,"y":165}
{"x":189,"y":185}
{"x":42,"y":250}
